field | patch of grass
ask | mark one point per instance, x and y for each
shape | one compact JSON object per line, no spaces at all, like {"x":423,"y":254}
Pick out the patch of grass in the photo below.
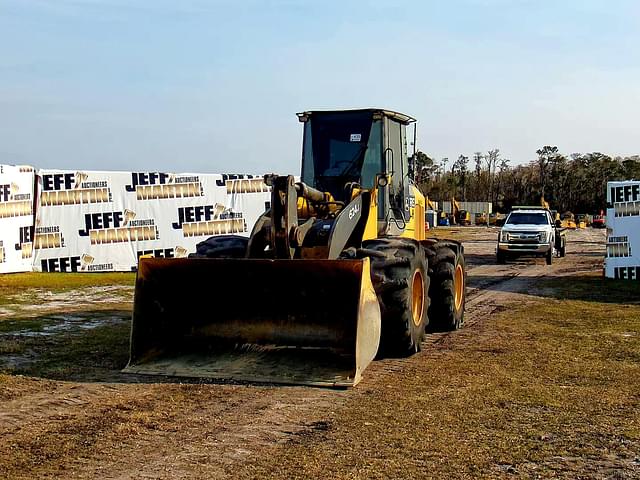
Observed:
{"x":11,"y":346}
{"x":11,"y":297}
{"x":37,"y":453}
{"x":86,"y":355}
{"x":12,"y":386}
{"x":591,"y":287}
{"x":73,"y":351}
{"x":59,"y":282}
{"x":20,"y":324}
{"x":548,"y":390}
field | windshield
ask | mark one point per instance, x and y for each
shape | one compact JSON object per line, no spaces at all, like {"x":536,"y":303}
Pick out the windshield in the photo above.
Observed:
{"x":521,"y":218}
{"x":338,"y":147}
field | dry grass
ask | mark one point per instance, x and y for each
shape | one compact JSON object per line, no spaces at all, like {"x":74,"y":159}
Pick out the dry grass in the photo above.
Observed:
{"x":462,"y":234}
{"x":65,"y":326}
{"x":546,"y":391}
{"x":591,"y":287}
{"x":20,"y":287}
{"x":74,"y":437}
{"x":64,"y":281}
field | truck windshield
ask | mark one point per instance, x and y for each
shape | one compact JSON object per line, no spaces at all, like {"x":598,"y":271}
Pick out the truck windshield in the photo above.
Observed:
{"x":521,"y":218}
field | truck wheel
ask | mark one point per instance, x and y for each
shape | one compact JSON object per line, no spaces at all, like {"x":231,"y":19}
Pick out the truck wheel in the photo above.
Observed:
{"x":400,"y":278}
{"x":501,"y":257}
{"x":549,"y":256}
{"x":448,"y":288}
{"x":221,"y":246}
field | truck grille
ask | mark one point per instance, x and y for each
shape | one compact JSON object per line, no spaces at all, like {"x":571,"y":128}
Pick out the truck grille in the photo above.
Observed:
{"x":524,"y":237}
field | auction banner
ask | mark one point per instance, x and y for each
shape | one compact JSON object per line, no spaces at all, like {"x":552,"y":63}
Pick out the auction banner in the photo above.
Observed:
{"x":93,"y":221}
{"x":16,"y":218}
{"x":622,"y":260}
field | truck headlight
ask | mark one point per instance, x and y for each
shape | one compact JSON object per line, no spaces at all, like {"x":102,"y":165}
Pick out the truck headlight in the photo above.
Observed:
{"x":543,"y":237}
{"x":504,"y":236}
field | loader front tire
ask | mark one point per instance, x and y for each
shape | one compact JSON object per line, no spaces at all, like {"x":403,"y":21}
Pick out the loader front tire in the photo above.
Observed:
{"x":222,"y":246}
{"x":400,"y":278}
{"x":448,"y":289}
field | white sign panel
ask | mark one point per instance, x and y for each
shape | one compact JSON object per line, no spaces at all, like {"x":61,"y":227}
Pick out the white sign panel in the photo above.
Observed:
{"x":103,"y":221}
{"x":623,"y":230}
{"x":16,"y":218}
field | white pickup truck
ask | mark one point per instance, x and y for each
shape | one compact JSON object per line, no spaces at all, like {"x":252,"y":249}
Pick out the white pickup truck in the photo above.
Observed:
{"x":530,"y":231}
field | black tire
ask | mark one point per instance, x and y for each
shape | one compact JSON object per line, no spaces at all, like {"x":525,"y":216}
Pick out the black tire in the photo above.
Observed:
{"x":501,"y":257}
{"x":222,"y":246}
{"x":549,"y":256}
{"x":398,"y":267}
{"x":448,"y":275}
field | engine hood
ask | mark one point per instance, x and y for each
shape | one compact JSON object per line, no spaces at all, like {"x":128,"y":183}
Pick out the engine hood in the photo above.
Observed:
{"x":525,"y":228}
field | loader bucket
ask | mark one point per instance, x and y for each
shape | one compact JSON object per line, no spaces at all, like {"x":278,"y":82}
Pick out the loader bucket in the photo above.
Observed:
{"x":310,"y":322}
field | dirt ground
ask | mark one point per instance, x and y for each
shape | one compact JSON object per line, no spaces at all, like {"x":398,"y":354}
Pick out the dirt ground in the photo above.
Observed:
{"x":87,"y":420}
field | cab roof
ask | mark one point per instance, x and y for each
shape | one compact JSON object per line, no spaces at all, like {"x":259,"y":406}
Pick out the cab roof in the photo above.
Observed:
{"x":530,"y":208}
{"x":397,"y":116}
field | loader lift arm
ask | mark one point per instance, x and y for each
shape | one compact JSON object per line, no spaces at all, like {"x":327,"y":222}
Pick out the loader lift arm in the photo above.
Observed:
{"x":281,"y":232}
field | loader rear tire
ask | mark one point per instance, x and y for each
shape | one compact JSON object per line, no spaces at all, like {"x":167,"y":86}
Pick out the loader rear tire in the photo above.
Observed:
{"x":400,"y":278}
{"x":448,"y":289}
{"x":222,"y":246}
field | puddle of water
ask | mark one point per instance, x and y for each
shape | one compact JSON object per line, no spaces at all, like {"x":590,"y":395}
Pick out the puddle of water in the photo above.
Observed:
{"x":69,"y":324}
{"x":66,"y":323}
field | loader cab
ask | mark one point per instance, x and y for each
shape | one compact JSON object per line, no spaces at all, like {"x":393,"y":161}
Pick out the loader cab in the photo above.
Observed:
{"x":341,"y":147}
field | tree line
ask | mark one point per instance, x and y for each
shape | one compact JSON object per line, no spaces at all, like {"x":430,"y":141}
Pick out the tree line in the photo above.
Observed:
{"x":576,"y":183}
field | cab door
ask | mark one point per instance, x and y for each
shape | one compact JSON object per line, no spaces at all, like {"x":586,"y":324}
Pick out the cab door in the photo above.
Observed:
{"x":396,"y":209}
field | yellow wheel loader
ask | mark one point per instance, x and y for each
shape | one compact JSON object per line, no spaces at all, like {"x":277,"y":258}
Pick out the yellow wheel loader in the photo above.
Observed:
{"x":460,"y":217}
{"x":336,"y":271}
{"x":568,"y":220}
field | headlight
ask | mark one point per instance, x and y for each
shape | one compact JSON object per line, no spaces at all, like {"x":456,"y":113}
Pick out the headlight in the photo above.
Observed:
{"x":544,"y":237}
{"x":504,"y":236}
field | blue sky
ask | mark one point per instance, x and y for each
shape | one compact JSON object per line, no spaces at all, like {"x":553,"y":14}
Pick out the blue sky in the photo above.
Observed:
{"x":213,"y":86}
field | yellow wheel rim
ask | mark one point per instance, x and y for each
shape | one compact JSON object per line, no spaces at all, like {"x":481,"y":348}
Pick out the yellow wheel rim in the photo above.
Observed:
{"x":458,"y":281}
{"x":417,"y":297}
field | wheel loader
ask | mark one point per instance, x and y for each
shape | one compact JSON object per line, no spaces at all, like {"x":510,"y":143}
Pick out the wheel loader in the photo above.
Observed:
{"x":336,"y":272}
